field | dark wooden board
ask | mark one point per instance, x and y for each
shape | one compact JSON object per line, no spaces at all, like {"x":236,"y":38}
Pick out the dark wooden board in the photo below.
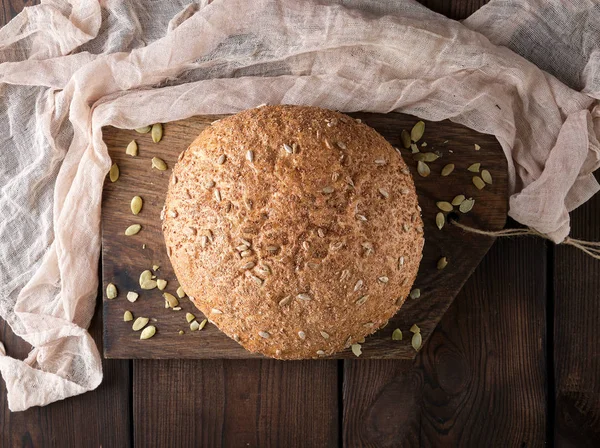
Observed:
{"x":124,"y":259}
{"x":482,"y":377}
{"x":576,"y":345}
{"x":237,"y":403}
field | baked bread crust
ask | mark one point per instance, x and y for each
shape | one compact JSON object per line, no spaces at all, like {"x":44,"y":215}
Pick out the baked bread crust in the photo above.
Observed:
{"x":294,"y":251}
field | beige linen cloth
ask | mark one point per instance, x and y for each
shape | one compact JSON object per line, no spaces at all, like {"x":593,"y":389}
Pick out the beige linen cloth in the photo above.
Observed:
{"x":69,"y":68}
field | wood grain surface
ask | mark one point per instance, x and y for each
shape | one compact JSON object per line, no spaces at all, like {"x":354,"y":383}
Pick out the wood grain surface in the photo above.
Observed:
{"x":124,"y":257}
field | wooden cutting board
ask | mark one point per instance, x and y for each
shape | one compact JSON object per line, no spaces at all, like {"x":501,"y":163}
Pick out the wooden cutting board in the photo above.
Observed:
{"x":125,"y":257}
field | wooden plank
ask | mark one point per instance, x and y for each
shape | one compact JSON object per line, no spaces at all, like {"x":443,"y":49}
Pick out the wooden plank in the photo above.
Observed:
{"x":482,"y":376}
{"x":97,"y":418}
{"x":124,"y":259}
{"x":576,"y":336}
{"x":235,"y":403}
{"x":454,"y":9}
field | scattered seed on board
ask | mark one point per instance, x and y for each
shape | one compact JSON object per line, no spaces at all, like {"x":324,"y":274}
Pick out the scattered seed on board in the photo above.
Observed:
{"x":250,"y":156}
{"x":171,"y":299}
{"x":416,"y":341}
{"x":189,"y":317}
{"x":423,"y":169}
{"x":181,"y":332}
{"x":111,"y":291}
{"x":140,"y":323}
{"x":157,"y":132}
{"x":148,"y":332}
{"x":180,"y":292}
{"x":397,"y":335}
{"x":442,"y":263}
{"x":143,"y":129}
{"x":127,"y":316}
{"x":136,"y":205}
{"x":356,"y":349}
{"x":486,"y":176}
{"x":415,"y":293}
{"x":202,"y":324}
{"x":161,"y":284}
{"x":440,"y":220}
{"x":474,"y":168}
{"x":444,"y":206}
{"x":447,"y":169}
{"x":467,"y":205}
{"x":458,"y":200}
{"x":414,"y":148}
{"x":426,"y":157}
{"x":417,"y":131}
{"x":405,"y":137}
{"x":159,"y":164}
{"x":114,"y":172}
{"x":132,"y":149}
{"x":133,"y":229}
{"x":477,"y":147}
{"x":194,"y":325}
{"x":132,"y":296}
{"x":478,"y":182}
{"x":146,"y":281}
{"x":264,"y":334}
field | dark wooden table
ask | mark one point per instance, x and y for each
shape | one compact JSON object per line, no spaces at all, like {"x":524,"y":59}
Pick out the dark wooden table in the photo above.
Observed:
{"x":514,"y":362}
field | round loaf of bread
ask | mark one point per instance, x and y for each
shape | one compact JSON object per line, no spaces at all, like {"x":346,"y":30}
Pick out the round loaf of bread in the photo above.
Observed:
{"x":295,"y":230}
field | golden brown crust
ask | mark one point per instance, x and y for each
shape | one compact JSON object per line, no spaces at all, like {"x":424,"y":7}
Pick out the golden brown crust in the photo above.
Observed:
{"x":322,"y":233}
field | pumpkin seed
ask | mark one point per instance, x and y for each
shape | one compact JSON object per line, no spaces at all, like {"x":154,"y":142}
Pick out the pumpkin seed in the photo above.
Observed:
{"x":161,"y":284}
{"x":136,"y":205}
{"x":474,"y":168}
{"x":133,"y":229}
{"x":440,"y":220}
{"x":202,"y":324}
{"x":159,"y":164}
{"x":180,"y":292}
{"x":416,"y":341}
{"x":157,"y":132}
{"x":143,"y":129}
{"x":417,"y":131}
{"x":458,"y":199}
{"x":140,"y":323}
{"x":181,"y":332}
{"x":148,"y":332}
{"x":111,"y":291}
{"x":189,"y":317}
{"x":405,"y":137}
{"x":477,"y":147}
{"x":415,"y":329}
{"x":444,"y":206}
{"x":478,"y":182}
{"x":442,"y":263}
{"x":132,"y":296}
{"x":415,"y":293}
{"x":447,"y":169}
{"x":397,"y":335}
{"x":414,"y":149}
{"x":132,"y":149}
{"x":486,"y":176}
{"x":467,"y":205}
{"x":127,"y":316}
{"x":426,"y":157}
{"x":114,"y":172}
{"x":171,"y":299}
{"x":423,"y":169}
{"x":194,"y":325}
{"x":356,"y":349}
{"x":146,"y":281}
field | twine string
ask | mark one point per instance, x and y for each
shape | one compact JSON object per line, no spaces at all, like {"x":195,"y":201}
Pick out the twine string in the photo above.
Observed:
{"x":591,"y":248}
